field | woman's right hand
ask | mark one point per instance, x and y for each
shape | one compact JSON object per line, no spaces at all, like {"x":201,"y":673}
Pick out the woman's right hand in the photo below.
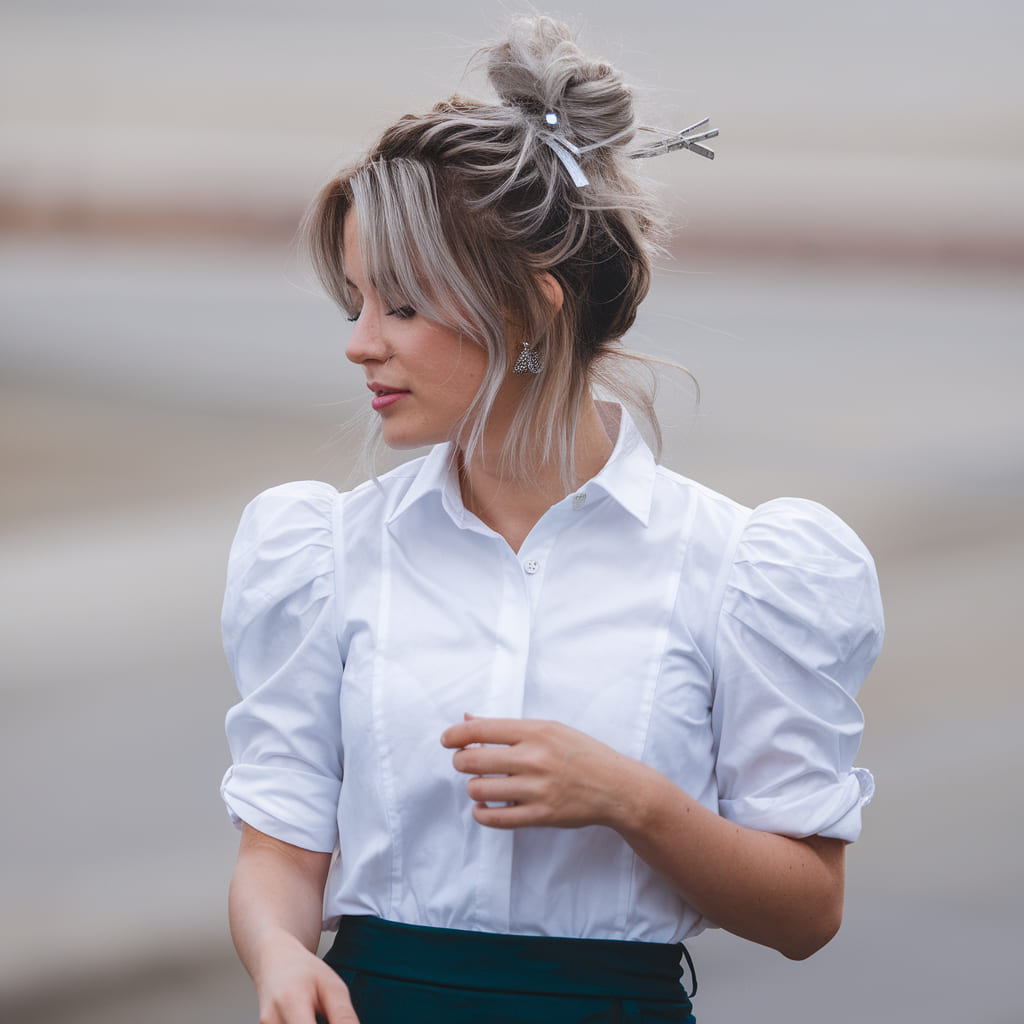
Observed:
{"x":275,"y":906}
{"x":296,"y":986}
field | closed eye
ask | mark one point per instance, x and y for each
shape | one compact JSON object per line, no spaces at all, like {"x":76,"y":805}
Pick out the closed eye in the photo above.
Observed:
{"x":402,"y":312}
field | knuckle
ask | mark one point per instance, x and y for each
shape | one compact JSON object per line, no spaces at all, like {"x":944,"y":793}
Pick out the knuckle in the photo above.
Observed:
{"x":488,"y":816}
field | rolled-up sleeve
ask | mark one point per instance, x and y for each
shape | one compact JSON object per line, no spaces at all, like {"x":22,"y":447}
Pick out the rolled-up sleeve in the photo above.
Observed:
{"x":280,"y":635}
{"x":800,"y":628}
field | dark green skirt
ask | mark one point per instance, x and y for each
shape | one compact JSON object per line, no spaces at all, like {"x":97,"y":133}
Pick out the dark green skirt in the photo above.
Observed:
{"x":398,"y":973}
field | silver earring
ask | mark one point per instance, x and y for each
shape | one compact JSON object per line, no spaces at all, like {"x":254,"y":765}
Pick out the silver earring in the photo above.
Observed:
{"x":528,"y":361}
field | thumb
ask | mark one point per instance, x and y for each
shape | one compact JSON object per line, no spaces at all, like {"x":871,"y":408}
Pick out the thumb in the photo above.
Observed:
{"x":335,"y":1004}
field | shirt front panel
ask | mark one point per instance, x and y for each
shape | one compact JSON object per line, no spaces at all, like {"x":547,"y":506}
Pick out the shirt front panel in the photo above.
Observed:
{"x":582,"y":626}
{"x":723,"y":646}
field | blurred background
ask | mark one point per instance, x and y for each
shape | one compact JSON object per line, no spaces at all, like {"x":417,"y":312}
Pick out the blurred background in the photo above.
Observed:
{"x":846,"y":284}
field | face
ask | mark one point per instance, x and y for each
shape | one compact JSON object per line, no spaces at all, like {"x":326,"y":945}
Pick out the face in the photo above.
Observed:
{"x":423,"y":376}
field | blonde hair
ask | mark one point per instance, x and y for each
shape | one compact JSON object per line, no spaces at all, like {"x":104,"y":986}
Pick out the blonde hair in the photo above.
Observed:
{"x":463,"y":209}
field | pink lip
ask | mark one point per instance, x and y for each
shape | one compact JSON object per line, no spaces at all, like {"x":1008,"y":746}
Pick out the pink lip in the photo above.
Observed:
{"x":389,"y":398}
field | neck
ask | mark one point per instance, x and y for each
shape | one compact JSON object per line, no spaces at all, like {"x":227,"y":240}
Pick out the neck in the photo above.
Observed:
{"x":511,"y":506}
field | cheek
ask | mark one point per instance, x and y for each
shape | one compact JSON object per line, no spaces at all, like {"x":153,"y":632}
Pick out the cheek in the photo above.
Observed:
{"x":462,"y":370}
{"x":473,"y":361}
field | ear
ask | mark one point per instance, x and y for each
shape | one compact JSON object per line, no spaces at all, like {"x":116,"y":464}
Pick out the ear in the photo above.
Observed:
{"x":552,"y":290}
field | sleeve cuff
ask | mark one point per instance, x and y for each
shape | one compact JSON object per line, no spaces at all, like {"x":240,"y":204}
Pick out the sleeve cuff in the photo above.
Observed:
{"x":834,"y":812}
{"x":297,"y":807}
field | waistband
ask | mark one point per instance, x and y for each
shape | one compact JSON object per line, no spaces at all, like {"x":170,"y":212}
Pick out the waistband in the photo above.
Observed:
{"x":526,"y":964}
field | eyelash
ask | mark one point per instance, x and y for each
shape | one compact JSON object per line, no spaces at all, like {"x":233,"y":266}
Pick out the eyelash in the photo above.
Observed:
{"x":402,"y":312}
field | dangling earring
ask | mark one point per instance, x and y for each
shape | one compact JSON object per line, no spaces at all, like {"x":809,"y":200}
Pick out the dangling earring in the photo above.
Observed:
{"x":528,"y":361}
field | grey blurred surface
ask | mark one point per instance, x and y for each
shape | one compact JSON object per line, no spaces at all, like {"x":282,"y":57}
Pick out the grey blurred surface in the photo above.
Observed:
{"x":152,"y":382}
{"x":887,"y":126}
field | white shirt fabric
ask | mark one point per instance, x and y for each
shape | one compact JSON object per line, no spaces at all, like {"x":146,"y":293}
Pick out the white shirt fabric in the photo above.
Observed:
{"x":720,"y":645}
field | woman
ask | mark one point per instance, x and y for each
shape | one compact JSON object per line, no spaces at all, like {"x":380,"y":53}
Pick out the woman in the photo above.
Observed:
{"x":520,"y":716}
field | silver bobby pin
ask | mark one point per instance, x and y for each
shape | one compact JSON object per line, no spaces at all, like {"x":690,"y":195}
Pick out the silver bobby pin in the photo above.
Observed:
{"x":684,"y":140}
{"x":566,"y":152}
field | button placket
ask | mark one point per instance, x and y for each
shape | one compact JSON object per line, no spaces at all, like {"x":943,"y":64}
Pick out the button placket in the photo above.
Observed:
{"x":505,"y":698}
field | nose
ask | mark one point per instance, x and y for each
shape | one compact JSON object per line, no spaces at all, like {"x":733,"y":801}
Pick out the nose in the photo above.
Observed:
{"x":365,"y":343}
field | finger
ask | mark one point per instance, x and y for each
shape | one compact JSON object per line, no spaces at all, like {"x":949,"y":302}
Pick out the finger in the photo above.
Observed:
{"x":498,"y":790}
{"x":335,"y":1003}
{"x":339,"y":1013}
{"x":485,"y":730}
{"x":485,"y":761}
{"x":517,"y":816}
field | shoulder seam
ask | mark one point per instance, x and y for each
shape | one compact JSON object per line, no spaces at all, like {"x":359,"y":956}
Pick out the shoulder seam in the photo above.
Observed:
{"x":678,"y":480}
{"x":337,"y":537}
{"x":718,"y":594}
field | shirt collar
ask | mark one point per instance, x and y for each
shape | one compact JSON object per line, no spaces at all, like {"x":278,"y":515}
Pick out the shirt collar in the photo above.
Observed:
{"x":436,"y":475}
{"x":627,"y":477}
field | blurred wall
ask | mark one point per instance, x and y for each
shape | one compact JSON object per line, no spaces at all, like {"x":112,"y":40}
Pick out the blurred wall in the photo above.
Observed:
{"x":895,"y":127}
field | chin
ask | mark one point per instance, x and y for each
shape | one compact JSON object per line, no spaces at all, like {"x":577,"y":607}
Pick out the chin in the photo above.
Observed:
{"x":408,"y":440}
{"x":404,"y":431}
{"x":406,"y":445}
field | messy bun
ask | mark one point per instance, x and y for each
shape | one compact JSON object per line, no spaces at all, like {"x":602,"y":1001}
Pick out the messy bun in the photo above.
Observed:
{"x":539,"y":68}
{"x":463,"y":208}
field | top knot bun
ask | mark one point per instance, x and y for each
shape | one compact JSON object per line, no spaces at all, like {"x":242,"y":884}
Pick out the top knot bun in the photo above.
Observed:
{"x":538,"y":68}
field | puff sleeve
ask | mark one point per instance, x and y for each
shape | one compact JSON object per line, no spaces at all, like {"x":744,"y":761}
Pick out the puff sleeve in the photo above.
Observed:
{"x":281,"y":640}
{"x":799,"y":629}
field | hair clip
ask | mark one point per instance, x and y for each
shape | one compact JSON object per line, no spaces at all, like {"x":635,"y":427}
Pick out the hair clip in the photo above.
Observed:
{"x":684,"y":140}
{"x":565,"y":151}
{"x":569,"y":154}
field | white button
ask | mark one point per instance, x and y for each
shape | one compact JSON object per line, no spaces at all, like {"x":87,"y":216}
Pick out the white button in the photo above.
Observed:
{"x":579,"y":500}
{"x":531,"y":565}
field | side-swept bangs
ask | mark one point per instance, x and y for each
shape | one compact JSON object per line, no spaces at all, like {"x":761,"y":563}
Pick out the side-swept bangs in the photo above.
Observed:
{"x":401,"y":244}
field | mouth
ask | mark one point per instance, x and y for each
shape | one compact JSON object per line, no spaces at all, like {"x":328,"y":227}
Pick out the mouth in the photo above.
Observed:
{"x":384,"y":396}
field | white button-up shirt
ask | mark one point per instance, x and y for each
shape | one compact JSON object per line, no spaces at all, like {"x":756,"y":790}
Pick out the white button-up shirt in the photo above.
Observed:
{"x":721,"y":646}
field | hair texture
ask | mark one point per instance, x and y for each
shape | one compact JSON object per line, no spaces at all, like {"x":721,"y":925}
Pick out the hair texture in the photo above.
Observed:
{"x":463,"y":209}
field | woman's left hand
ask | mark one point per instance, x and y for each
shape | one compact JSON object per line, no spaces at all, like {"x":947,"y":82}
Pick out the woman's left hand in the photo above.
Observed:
{"x":540,"y":773}
{"x":783,"y":892}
